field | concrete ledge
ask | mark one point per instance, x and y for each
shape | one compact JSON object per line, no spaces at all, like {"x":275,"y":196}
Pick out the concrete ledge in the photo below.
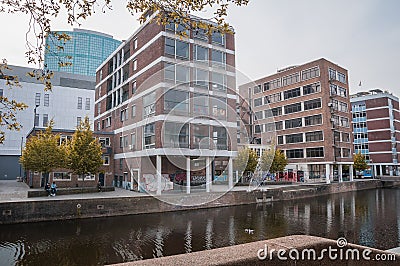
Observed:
{"x":68,"y":191}
{"x":246,"y":254}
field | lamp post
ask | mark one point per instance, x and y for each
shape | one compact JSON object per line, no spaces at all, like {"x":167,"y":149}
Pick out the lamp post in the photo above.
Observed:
{"x":33,"y":131}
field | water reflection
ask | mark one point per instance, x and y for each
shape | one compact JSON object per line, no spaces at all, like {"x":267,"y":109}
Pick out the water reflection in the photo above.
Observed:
{"x":369,"y":218}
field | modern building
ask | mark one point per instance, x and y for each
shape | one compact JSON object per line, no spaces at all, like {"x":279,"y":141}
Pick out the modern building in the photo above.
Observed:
{"x":71,"y":99}
{"x":170,"y":101}
{"x":304,"y":111}
{"x":376,"y":120}
{"x":86,"y":50}
{"x":63,"y":177}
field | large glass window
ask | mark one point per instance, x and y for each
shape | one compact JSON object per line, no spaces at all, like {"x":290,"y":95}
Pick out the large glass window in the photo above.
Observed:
{"x":218,"y":81}
{"x":218,"y":106}
{"x":200,"y":53}
{"x":149,"y":104}
{"x":201,"y":34}
{"x":341,"y":77}
{"x":149,"y":136}
{"x":218,"y":57}
{"x":200,"y":104}
{"x":294,"y":138}
{"x":218,"y":38}
{"x":310,"y":73}
{"x":258,"y":102}
{"x":315,"y":152}
{"x":293,"y":123}
{"x":290,"y":79}
{"x":182,"y":74}
{"x":312,"y":104}
{"x":176,"y":101}
{"x":295,"y":153}
{"x":176,"y":48}
{"x":314,"y":136}
{"x":311,"y":88}
{"x":313,"y":120}
{"x":201,"y":78}
{"x":220,"y":138}
{"x":292,"y":108}
{"x":276,"y":83}
{"x":176,"y":135}
{"x":273,"y":98}
{"x":291,"y":93}
{"x":201,"y":136}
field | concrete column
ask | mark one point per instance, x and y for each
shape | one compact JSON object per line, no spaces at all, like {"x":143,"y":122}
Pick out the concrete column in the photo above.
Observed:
{"x":208,"y":175}
{"x":158,"y":162}
{"x":237,"y":176}
{"x":188,"y":175}
{"x":374,"y":173}
{"x":391,"y":170}
{"x":328,"y":173}
{"x":351,"y":172}
{"x":380,"y":170}
{"x":340,"y":173}
{"x":230,"y":173}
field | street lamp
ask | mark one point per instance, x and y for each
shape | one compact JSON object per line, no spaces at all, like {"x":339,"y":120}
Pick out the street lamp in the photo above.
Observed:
{"x":33,"y":131}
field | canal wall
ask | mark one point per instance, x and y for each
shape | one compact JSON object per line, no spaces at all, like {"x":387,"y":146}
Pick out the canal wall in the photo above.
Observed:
{"x":61,"y":209}
{"x":295,"y":246}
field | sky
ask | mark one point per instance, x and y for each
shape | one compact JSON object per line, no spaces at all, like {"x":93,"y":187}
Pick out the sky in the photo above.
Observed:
{"x":362,"y":36}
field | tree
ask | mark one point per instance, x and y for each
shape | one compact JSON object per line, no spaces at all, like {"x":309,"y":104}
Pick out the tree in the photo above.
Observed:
{"x":42,"y":13}
{"x":84,"y":151}
{"x":360,"y":164}
{"x":43,"y":153}
{"x":246,"y":161}
{"x":273,"y":161}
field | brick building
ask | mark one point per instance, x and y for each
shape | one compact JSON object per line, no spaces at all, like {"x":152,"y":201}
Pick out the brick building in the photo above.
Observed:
{"x":63,"y":177}
{"x":170,"y":102}
{"x":376,"y":120}
{"x":304,"y":110}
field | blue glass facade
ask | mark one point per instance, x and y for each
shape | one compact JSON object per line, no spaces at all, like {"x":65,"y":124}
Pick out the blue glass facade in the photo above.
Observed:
{"x":88,"y":50}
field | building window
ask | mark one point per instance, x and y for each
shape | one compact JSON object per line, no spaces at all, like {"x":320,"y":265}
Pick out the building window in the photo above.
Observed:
{"x":200,"y":53}
{"x":279,"y":125}
{"x":273,"y":98}
{"x":201,"y":78}
{"x":87,"y":104}
{"x":133,"y":141}
{"x":258,"y":115}
{"x":295,"y":153}
{"x":134,"y":84}
{"x":341,"y":77}
{"x":218,"y":81}
{"x":45,"y":120}
{"x":345,"y":137}
{"x":293,"y":123}
{"x":257,"y":89}
{"x":218,"y":106}
{"x":276,"y":83}
{"x":294,"y":138}
{"x":201,"y":34}
{"x":149,"y":104}
{"x":257,"y":129}
{"x":311,"y":88}
{"x":124,"y":115}
{"x":176,"y":135}
{"x":336,"y":136}
{"x":290,"y":79}
{"x":332,"y":74}
{"x":121,"y":164}
{"x":345,"y":153}
{"x":201,"y":136}
{"x":135,"y":44}
{"x":312,"y":104}
{"x":176,"y":48}
{"x":310,"y":73}
{"x":277,"y":111}
{"x":339,"y":106}
{"x":176,"y":101}
{"x":79,"y":102}
{"x":78,"y":121}
{"x":338,"y":152}
{"x":315,"y":152}
{"x":37,"y":99}
{"x":292,"y":108}
{"x":98,"y":108}
{"x":36,"y":122}
{"x":218,"y":58}
{"x":65,"y":139}
{"x":61,"y":176}
{"x":133,"y":111}
{"x":218,"y":38}
{"x":104,"y":141}
{"x":220,"y":138}
{"x":314,"y":136}
{"x":313,"y":120}
{"x":149,"y":136}
{"x":106,"y":160}
{"x":258,"y":102}
{"x":280,"y":139}
{"x":291,"y":93}
{"x":46,"y":99}
{"x":1,"y":93}
{"x":134,"y":64}
{"x":269,"y":127}
{"x":266,"y":86}
{"x":200,"y":104}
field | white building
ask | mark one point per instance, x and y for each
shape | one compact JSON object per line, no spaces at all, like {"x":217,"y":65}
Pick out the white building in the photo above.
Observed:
{"x":71,"y":99}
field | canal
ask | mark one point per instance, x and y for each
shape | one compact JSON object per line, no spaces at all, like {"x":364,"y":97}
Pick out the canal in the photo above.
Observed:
{"x":370,"y":218}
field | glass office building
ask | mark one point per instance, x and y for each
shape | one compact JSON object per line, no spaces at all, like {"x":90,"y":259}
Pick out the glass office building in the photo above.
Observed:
{"x":86,"y":50}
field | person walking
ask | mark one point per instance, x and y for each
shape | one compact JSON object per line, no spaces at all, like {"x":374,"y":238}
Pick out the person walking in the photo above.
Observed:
{"x":47,"y":188}
{"x":53,"y":189}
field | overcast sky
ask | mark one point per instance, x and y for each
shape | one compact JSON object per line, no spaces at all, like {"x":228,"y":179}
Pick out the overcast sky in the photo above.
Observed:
{"x":362,"y":36}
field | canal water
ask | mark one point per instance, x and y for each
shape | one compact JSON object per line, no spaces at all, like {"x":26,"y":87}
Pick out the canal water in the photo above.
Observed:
{"x":370,"y":218}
